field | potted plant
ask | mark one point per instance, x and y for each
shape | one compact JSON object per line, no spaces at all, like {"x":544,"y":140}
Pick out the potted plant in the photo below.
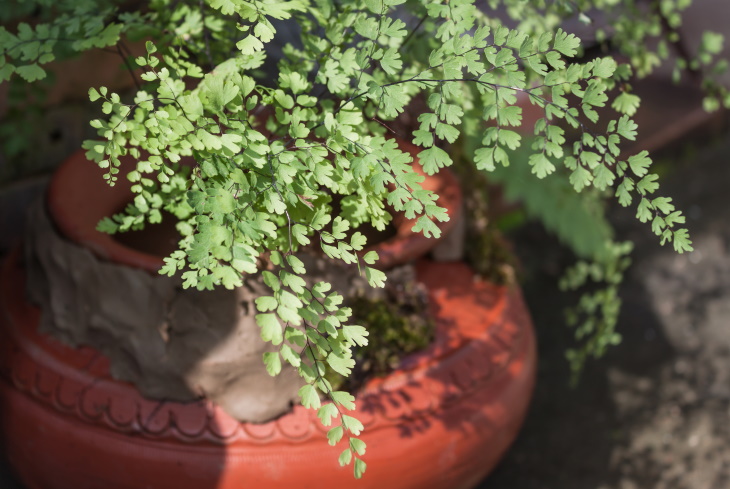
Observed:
{"x":263,"y":127}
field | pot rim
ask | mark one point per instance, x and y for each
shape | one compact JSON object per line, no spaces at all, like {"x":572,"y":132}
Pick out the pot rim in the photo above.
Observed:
{"x":484,"y":340}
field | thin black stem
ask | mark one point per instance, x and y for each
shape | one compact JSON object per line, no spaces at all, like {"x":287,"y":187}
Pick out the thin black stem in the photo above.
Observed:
{"x":413,"y":32}
{"x":129,"y":66}
{"x":206,"y":36}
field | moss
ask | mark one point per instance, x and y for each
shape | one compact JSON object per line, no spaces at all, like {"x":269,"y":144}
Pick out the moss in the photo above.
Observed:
{"x":398,"y":325}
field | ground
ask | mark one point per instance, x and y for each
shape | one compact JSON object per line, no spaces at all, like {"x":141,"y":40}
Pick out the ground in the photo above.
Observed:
{"x":654,"y":412}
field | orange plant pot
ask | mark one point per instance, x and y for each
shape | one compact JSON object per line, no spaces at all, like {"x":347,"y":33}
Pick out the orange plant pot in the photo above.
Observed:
{"x":442,"y":420}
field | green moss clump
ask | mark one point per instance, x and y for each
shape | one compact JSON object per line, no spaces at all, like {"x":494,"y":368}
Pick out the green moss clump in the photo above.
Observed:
{"x":399,"y":324}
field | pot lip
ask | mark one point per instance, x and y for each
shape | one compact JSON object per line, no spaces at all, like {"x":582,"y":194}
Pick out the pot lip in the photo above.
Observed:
{"x":484,"y":335}
{"x":77,"y":212}
{"x":78,"y":198}
{"x":408,"y":245}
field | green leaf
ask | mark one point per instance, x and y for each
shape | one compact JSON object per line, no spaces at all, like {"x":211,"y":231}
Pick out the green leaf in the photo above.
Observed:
{"x":594,"y":95}
{"x":310,"y":398}
{"x":319,"y":290}
{"x":681,"y":241}
{"x":334,"y":435}
{"x":340,"y":227}
{"x":352,"y":425}
{"x":170,"y":267}
{"x":446,"y":132}
{"x":604,"y":67}
{"x":603,"y":177}
{"x":288,"y":314}
{"x":511,"y":115}
{"x":344,"y":399}
{"x":270,"y":328}
{"x":226,"y":7}
{"x":391,"y":62}
{"x":367,"y":27}
{"x":6,"y":70}
{"x":290,"y":356}
{"x":626,"y":103}
{"x":266,"y":303}
{"x":355,"y":334}
{"x":358,"y":446}
{"x":295,"y":283}
{"x":31,"y":72}
{"x":296,"y":264}
{"x":263,"y":31}
{"x":271,"y":280}
{"x":580,"y":178}
{"x":340,"y":363}
{"x":228,"y":277}
{"x":370,"y":257}
{"x":590,"y":159}
{"x":230,"y":142}
{"x":658,"y":225}
{"x":93,"y":94}
{"x":626,"y":128}
{"x":640,"y":163}
{"x":566,"y":43}
{"x":664,"y":204}
{"x":358,"y":241}
{"x":434,"y":158}
{"x":326,"y":413}
{"x":648,"y":184}
{"x":273,"y":363}
{"x":345,"y":457}
{"x":190,"y":279}
{"x":712,"y":42}
{"x":555,"y":60}
{"x":360,"y":467}
{"x":450,"y":113}
{"x":426,"y":226}
{"x":673,"y":218}
{"x":623,"y":192}
{"x":107,"y":225}
{"x":643,"y":211}
{"x":510,"y":139}
{"x":249,"y":45}
{"x":486,"y":158}
{"x":299,"y":232}
{"x":541,"y":165}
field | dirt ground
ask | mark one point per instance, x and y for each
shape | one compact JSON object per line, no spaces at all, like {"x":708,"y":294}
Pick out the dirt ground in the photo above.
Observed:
{"x":655,"y":412}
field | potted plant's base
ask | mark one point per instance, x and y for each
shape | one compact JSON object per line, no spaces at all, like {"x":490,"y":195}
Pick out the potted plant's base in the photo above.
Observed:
{"x":442,"y":419}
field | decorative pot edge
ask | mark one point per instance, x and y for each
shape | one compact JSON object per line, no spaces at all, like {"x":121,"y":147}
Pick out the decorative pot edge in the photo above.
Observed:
{"x":435,"y":378}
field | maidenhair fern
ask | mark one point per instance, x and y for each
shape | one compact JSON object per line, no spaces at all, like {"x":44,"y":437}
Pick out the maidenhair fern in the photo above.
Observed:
{"x":248,"y":151}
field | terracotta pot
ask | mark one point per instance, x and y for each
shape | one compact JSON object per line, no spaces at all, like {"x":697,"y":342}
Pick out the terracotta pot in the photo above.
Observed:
{"x":77,"y":219}
{"x":442,"y":420}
